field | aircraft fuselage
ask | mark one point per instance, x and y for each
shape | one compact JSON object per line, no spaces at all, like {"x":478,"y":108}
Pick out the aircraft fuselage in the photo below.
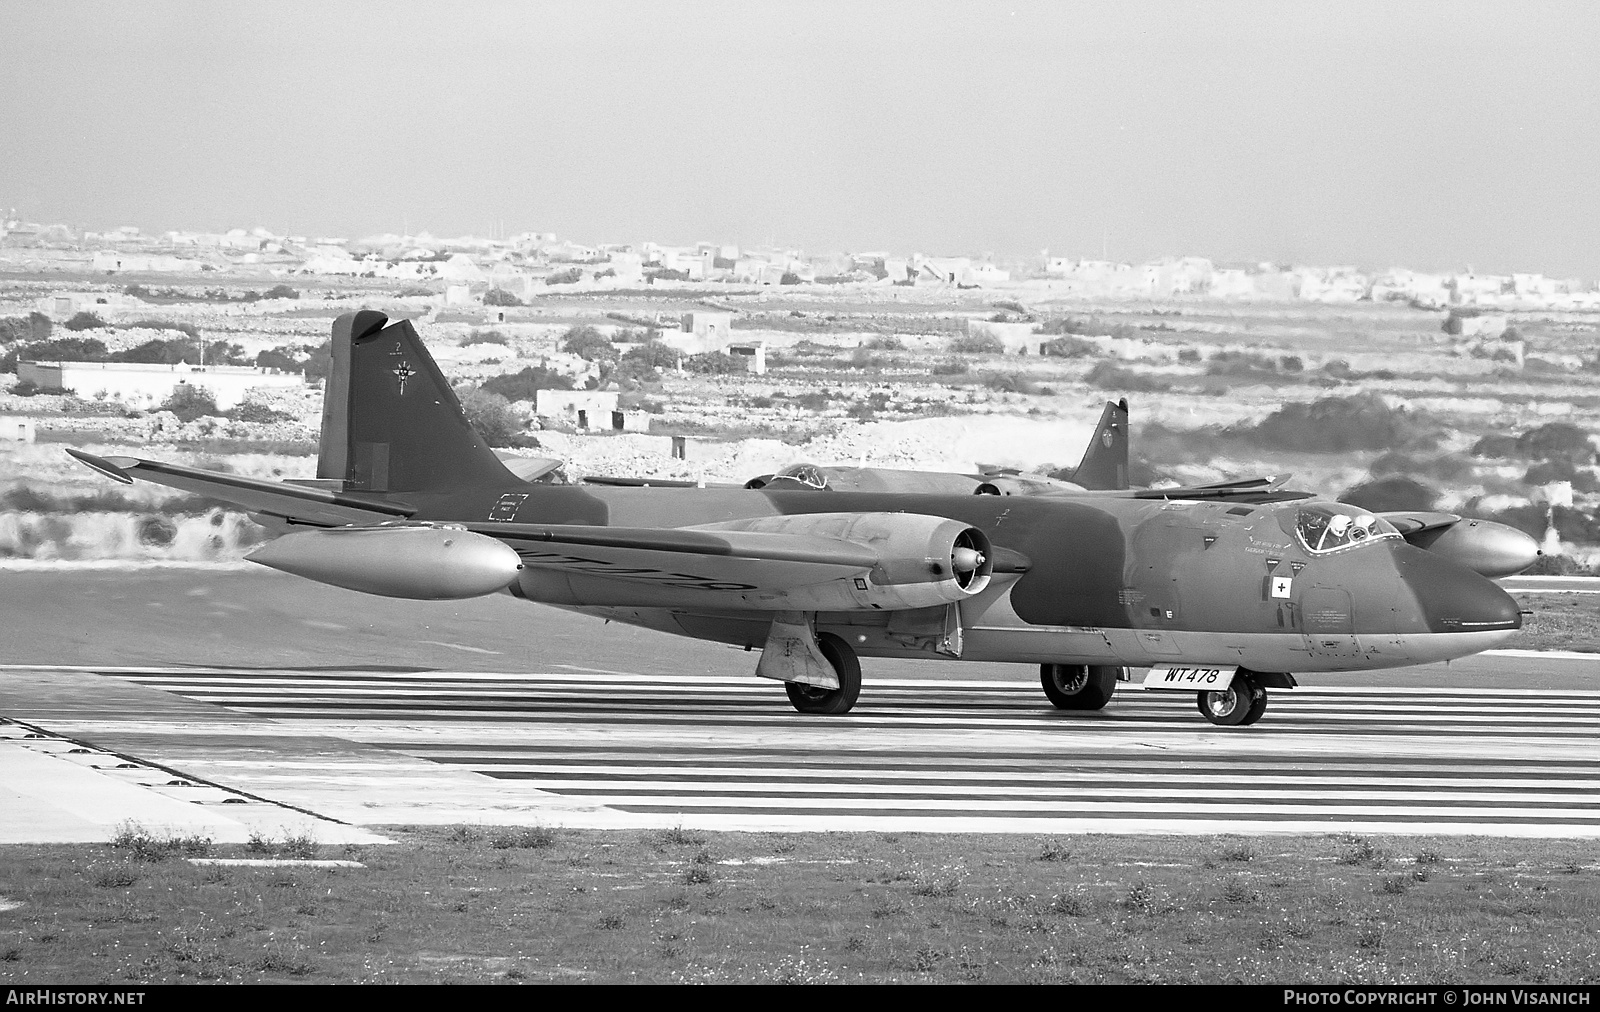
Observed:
{"x":1109,"y":580}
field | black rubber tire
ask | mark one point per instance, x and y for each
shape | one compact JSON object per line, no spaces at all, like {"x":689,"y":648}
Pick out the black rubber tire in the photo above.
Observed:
{"x":1258,"y":706}
{"x":845,"y":664}
{"x":1241,"y":704}
{"x":1078,"y":686}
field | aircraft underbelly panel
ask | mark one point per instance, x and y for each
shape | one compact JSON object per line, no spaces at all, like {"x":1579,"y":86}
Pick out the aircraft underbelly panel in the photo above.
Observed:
{"x":1039,"y":645}
{"x":869,"y":635}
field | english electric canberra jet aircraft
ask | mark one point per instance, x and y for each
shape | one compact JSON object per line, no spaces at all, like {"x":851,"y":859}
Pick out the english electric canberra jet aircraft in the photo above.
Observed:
{"x":1220,"y":590}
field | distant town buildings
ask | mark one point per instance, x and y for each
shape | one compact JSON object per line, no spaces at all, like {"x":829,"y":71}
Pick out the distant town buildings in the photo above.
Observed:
{"x":530,"y":263}
{"x":1195,"y":276}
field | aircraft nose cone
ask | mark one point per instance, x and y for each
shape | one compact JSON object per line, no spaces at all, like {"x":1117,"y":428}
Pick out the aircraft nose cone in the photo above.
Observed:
{"x":1453,"y":598}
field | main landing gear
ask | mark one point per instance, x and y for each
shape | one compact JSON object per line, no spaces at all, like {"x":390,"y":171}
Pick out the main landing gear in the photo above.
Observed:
{"x":1242,"y":702}
{"x":1078,"y":686}
{"x":815,"y":699}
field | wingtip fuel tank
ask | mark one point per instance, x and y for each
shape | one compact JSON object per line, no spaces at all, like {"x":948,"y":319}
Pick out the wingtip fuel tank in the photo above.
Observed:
{"x":1487,"y":548}
{"x":426,"y":563}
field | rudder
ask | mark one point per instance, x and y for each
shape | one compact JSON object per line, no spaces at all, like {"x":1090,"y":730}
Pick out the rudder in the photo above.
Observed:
{"x":390,"y":422}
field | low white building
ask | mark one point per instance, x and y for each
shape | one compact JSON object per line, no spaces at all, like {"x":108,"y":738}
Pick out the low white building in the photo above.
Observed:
{"x":141,"y":385}
{"x":1487,"y":325}
{"x":17,"y":429}
{"x":753,"y":352}
{"x":715,"y":328}
{"x":980,"y":275}
{"x":698,"y":338}
{"x":630,"y":421}
{"x":1232,"y":283}
{"x":1333,"y":284}
{"x":1103,"y":278}
{"x":587,"y":409}
{"x":940,"y":270}
{"x":66,"y":305}
{"x":112,"y":261}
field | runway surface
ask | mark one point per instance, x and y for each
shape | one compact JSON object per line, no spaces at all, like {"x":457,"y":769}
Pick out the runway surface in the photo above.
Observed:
{"x":600,"y":749}
{"x":556,"y":719}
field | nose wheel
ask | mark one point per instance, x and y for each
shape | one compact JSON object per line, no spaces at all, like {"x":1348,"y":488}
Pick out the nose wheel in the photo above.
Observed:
{"x":1241,"y":703}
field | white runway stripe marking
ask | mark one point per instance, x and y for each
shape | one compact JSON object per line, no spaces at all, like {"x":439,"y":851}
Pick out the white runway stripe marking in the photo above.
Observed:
{"x":967,"y":756}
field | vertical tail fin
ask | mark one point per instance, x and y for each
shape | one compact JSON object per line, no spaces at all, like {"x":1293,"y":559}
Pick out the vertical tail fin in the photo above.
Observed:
{"x":1105,"y":462}
{"x":390,"y":422}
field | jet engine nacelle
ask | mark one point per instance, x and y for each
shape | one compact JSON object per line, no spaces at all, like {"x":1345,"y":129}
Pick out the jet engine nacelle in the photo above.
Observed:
{"x":923,"y":561}
{"x":413,"y":561}
{"x":1488,"y":548}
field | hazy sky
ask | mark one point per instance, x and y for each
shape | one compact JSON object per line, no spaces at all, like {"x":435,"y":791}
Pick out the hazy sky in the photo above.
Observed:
{"x":1430,"y":135}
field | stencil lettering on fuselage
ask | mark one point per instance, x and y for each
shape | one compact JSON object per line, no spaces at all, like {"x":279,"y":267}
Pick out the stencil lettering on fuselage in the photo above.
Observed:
{"x":506,"y":509}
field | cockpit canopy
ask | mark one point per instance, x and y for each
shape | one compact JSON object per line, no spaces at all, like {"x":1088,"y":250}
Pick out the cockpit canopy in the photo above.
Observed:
{"x":1329,"y":526}
{"x":799,"y":476}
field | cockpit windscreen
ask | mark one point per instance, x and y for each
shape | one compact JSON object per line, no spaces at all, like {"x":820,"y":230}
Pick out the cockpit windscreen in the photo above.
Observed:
{"x":799,"y":475}
{"x":1330,"y":526}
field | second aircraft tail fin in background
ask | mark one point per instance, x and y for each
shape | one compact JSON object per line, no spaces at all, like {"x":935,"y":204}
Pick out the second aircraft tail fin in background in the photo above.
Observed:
{"x":1105,"y":462}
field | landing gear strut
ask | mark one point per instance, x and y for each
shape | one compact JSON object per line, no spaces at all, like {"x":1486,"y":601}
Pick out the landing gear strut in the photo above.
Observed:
{"x":1241,"y":703}
{"x":815,"y":699}
{"x":1078,"y":686}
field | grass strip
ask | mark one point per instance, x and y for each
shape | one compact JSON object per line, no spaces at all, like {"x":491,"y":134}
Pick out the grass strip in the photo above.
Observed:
{"x":472,"y":904}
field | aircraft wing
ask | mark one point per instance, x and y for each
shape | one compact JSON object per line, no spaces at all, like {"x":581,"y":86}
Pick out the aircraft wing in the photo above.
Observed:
{"x":531,"y":539}
{"x":616,"y":480}
{"x":714,"y":548}
{"x":305,"y":504}
{"x":1252,"y":490}
{"x":841,"y":561}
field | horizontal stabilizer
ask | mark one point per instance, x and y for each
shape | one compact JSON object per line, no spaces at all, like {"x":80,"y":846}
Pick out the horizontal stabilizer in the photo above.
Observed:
{"x":101,"y":465}
{"x":528,"y":468}
{"x":298,"y":503}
